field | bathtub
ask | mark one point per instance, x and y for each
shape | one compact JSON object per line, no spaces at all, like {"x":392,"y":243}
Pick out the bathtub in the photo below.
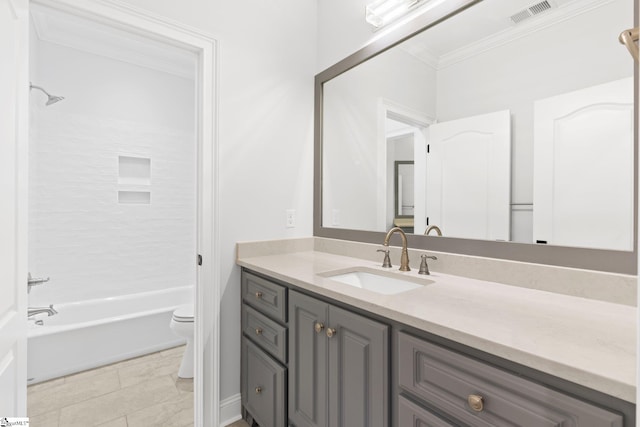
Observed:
{"x":93,"y":333}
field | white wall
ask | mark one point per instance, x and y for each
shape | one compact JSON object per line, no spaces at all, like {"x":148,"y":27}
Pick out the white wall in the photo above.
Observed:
{"x":79,"y":234}
{"x":266,"y":66}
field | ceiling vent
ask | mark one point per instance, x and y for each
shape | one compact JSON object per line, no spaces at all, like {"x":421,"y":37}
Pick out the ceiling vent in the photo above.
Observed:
{"x":530,"y":11}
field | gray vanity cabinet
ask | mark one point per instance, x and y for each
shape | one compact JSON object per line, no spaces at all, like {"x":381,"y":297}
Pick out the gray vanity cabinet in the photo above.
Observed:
{"x":264,"y":351}
{"x":472,"y":393}
{"x":338,"y":366}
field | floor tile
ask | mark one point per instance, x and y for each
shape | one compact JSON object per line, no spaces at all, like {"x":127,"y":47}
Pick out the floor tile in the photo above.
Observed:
{"x":183,"y":384}
{"x":50,"y":419}
{"x":51,"y":399}
{"x":152,"y":368}
{"x":241,"y":423}
{"x":119,"y":403}
{"x":135,"y":361}
{"x":173,"y":352}
{"x":146,"y":389}
{"x":87,"y":375}
{"x":171,"y":413}
{"x":45,"y":385}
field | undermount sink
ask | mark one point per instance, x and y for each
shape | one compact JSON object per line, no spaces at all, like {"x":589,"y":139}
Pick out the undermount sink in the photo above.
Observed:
{"x":377,"y":281}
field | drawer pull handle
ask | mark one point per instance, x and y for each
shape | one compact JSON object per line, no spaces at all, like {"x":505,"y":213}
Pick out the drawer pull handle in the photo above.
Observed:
{"x":258,"y":331}
{"x":318,"y":327}
{"x":331,"y":332}
{"x":258,"y":390}
{"x":475,"y":402}
{"x":258,"y":294}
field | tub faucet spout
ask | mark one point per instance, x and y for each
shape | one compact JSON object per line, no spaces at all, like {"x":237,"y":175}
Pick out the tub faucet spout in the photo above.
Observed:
{"x":32,"y":311}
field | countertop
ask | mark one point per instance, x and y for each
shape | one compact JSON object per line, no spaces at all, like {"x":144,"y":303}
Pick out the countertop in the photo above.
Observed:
{"x":585,"y":341}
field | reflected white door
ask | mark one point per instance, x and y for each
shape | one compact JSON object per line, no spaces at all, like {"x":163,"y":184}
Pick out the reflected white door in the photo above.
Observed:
{"x":583,"y":167}
{"x":13,"y":291}
{"x":469,"y":176}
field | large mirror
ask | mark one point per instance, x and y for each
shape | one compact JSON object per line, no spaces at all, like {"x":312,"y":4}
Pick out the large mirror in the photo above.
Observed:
{"x":518,"y":120}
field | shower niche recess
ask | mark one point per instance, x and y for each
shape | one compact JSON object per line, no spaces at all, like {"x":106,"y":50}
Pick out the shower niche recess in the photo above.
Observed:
{"x":134,"y":178}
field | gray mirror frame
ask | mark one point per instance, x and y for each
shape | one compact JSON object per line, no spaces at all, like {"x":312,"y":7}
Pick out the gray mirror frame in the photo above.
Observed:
{"x":396,"y":172}
{"x":623,"y":262}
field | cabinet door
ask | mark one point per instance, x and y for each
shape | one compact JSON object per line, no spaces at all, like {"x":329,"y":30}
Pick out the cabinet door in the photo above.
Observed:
{"x":359,"y":371}
{"x":307,"y":361}
{"x":263,"y":386}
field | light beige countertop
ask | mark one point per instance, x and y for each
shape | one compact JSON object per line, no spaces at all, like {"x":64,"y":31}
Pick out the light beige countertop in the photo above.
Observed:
{"x":585,"y":341}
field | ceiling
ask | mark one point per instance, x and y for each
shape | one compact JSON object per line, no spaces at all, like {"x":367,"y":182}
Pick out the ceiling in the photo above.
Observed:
{"x":485,"y":23}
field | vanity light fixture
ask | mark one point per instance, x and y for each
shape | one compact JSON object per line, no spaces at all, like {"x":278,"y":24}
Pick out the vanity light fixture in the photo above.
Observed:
{"x":382,"y":12}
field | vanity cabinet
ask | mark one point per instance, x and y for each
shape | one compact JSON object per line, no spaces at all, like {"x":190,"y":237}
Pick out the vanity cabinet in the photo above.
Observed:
{"x":264,"y":351}
{"x":312,"y":361}
{"x":338,"y":366}
{"x":465,"y":391}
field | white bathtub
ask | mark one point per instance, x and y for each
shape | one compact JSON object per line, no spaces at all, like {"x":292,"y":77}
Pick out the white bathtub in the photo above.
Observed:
{"x":88,"y":334}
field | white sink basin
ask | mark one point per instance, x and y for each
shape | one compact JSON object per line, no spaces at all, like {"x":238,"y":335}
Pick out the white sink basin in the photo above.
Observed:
{"x":377,"y":281}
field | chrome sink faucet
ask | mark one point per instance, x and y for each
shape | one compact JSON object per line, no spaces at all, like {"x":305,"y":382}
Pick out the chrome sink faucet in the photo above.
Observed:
{"x":32,"y":311}
{"x":404,"y":257}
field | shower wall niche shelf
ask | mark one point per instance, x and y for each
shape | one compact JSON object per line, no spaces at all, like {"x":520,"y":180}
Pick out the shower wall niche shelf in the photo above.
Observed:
{"x":134,"y":197}
{"x":134,"y":174}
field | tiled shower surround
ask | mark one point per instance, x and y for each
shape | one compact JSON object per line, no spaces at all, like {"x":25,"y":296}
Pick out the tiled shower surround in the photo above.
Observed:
{"x":81,"y":234}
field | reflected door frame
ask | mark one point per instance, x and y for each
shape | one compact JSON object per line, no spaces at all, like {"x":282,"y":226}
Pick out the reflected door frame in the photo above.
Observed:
{"x":421,"y":121}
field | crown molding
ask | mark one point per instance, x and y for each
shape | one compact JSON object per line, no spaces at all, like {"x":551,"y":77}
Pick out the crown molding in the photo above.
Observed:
{"x":509,"y":35}
{"x":422,"y":54}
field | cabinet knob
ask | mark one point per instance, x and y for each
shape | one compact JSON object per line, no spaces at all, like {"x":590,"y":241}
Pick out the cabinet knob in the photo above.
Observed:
{"x":475,"y":402}
{"x":318,"y":327}
{"x":331,"y":332}
{"x":258,"y":331}
{"x":258,"y":390}
{"x":258,"y":294}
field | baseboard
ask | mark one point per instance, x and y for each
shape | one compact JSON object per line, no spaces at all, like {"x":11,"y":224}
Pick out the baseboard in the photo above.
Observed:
{"x":230,"y":409}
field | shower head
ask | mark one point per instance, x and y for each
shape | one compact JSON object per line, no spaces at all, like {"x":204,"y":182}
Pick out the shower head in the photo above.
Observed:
{"x":51,"y":99}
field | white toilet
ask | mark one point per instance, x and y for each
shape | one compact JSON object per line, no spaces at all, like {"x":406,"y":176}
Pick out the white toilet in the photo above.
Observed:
{"x":182,"y":325}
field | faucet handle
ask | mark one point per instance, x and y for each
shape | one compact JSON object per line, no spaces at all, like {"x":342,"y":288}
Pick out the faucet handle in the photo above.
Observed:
{"x":386,"y":263}
{"x":424,"y":268}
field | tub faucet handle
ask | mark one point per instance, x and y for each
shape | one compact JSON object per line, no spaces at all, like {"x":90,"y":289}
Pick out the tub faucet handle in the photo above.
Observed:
{"x":35,"y":281}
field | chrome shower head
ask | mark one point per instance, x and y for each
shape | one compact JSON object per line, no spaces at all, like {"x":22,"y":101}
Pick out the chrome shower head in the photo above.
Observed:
{"x":51,"y":99}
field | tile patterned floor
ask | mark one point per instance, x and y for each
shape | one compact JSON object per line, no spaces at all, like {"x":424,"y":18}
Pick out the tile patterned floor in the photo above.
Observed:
{"x":140,"y":392}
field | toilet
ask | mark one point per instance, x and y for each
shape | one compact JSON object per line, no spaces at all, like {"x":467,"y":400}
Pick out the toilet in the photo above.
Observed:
{"x":182,"y":325}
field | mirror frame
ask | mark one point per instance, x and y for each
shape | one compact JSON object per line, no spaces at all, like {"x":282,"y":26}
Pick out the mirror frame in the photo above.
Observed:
{"x":623,"y":262}
{"x":396,"y":173}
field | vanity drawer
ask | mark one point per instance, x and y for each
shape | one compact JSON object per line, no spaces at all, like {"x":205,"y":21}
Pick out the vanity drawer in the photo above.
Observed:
{"x":266,"y":296}
{"x":454,"y":383}
{"x":265,"y":332}
{"x":263,"y":386}
{"x":412,"y":415}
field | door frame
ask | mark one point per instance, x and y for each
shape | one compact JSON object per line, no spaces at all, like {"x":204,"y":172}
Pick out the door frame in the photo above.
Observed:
{"x":207,"y":292}
{"x":412,"y":117}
